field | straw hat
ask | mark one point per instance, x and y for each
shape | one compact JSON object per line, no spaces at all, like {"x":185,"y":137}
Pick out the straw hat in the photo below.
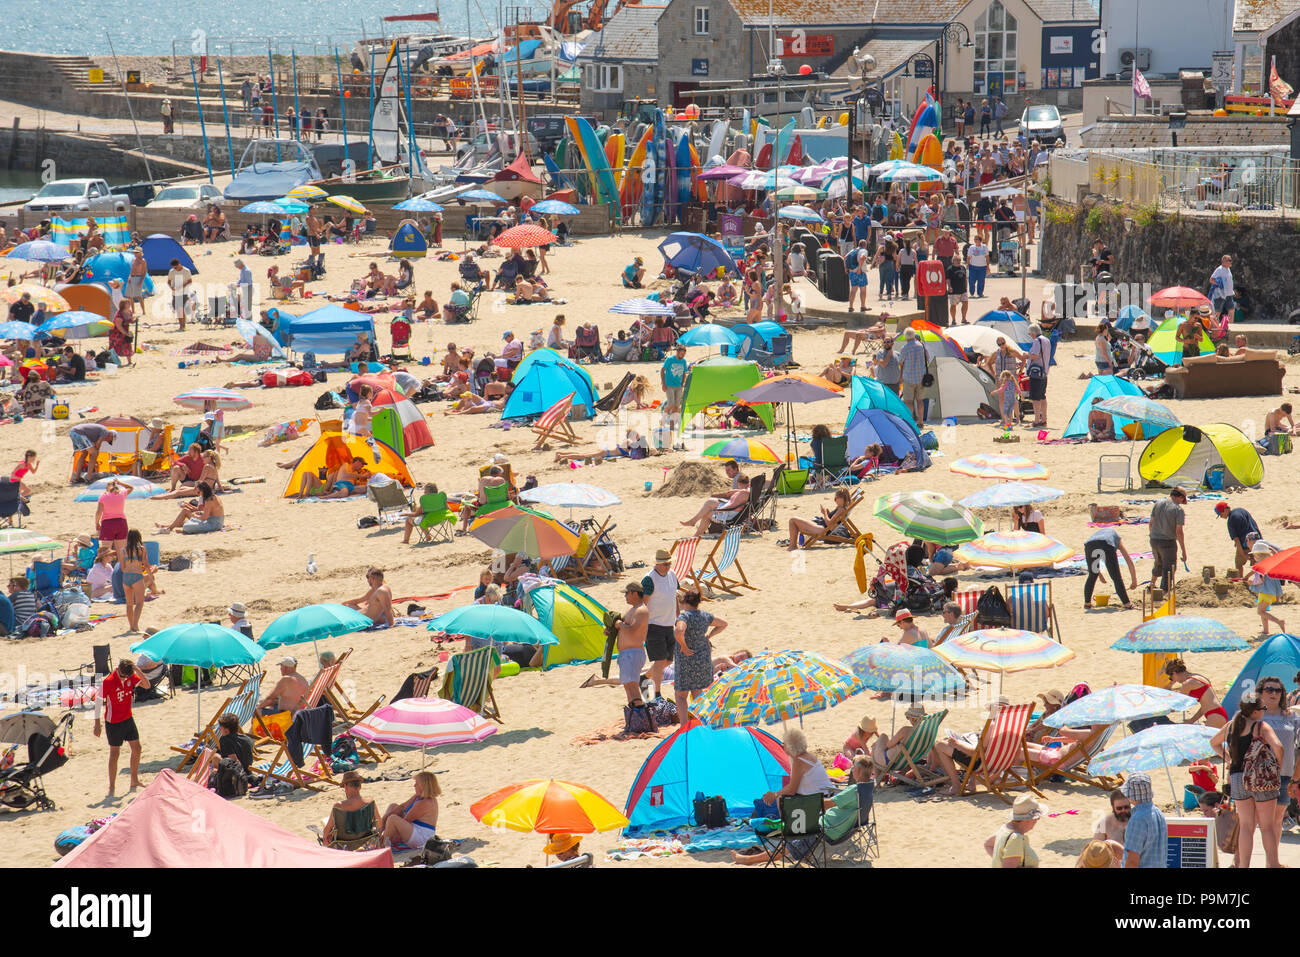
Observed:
{"x":157,"y":424}
{"x":1027,"y":808}
{"x":867,"y":725}
{"x":663,"y":555}
{"x":1096,"y":854}
{"x":289,"y":660}
{"x":1002,"y":701}
{"x":239,"y":610}
{"x":560,"y":843}
{"x":1053,"y":697}
{"x":351,"y":777}
{"x":915,"y":712}
{"x":1204,"y":310}
{"x":901,"y":616}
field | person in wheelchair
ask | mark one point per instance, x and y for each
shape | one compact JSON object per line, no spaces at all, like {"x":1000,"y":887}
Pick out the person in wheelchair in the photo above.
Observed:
{"x":473,"y":274}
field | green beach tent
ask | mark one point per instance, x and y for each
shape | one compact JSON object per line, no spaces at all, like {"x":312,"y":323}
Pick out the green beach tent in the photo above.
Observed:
{"x":576,"y":619}
{"x":1182,"y":456}
{"x":1164,"y":344}
{"x":717,"y":380}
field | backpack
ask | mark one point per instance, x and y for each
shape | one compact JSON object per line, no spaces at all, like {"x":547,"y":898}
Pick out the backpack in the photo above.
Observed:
{"x":711,"y":812}
{"x":326,"y":400}
{"x":231,"y":779}
{"x":638,"y":719}
{"x":1261,"y":773}
{"x":992,"y":610}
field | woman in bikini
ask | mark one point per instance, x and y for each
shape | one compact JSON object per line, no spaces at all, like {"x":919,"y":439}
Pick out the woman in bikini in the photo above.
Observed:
{"x":134,"y":566}
{"x":829,"y":520}
{"x":413,"y":823}
{"x":1199,"y":687}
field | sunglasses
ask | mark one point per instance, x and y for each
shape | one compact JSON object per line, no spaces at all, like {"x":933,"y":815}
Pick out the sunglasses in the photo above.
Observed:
{"x":1271,"y":689}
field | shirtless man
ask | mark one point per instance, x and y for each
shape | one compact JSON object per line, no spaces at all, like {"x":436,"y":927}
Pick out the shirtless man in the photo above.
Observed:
{"x":377,"y":603}
{"x":314,"y":232}
{"x":1279,"y":420}
{"x":631,"y":642}
{"x":289,"y":692}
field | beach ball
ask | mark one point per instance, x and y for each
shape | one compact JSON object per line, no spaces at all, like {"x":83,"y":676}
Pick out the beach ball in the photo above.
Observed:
{"x":805,"y":70}
{"x":1220,"y":112}
{"x":347,"y":94}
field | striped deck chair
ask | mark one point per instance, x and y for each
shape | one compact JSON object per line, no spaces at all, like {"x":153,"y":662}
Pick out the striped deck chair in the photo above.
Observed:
{"x":323,"y":681}
{"x":554,"y":424}
{"x":280,"y":768}
{"x":1001,"y":749}
{"x":203,"y":767}
{"x":1031,"y":605}
{"x":593,"y":560}
{"x":724,"y":557}
{"x":242,"y":704}
{"x":683,"y":552}
{"x":1073,"y":762}
{"x":569,"y":568}
{"x":469,"y":682}
{"x":851,"y":533}
{"x":915,"y":749}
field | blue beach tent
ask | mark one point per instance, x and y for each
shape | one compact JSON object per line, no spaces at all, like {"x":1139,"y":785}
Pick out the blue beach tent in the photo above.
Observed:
{"x":1101,"y":387}
{"x":543,"y":385}
{"x":331,"y":330}
{"x":867,"y":393}
{"x":159,"y":250}
{"x":1279,"y":656}
{"x":876,"y":426}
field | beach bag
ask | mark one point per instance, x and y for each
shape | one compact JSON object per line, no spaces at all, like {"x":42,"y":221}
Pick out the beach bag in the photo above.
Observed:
{"x":991,"y":610}
{"x":435,"y":851}
{"x":1227,"y":829}
{"x":231,"y":779}
{"x":1279,"y":443}
{"x":1260,"y":771}
{"x":178,"y":563}
{"x":711,"y":811}
{"x":1214,"y":478}
{"x":929,"y":441}
{"x":664,"y":711}
{"x":1105,"y":513}
{"x":638,"y":719}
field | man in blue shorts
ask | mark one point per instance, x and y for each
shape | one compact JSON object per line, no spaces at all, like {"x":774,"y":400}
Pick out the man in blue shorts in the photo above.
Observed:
{"x":856,"y":263}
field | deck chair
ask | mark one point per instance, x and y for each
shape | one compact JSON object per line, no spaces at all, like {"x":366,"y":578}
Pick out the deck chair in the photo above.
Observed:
{"x":724,"y":557}
{"x":1031,"y":606}
{"x":915,"y":749}
{"x":417,"y":684}
{"x":390,"y":499}
{"x":1001,"y":749}
{"x":1073,"y":762}
{"x":469,"y":682}
{"x":554,"y":424}
{"x":436,"y":520}
{"x":281,"y":768}
{"x":594,"y":562}
{"x":860,"y":844}
{"x":850,"y":533}
{"x":323,"y":681}
{"x":1114,"y":468}
{"x":586,"y":342}
{"x":569,"y":568}
{"x":801,"y":820}
{"x":683,"y":553}
{"x":242,"y":704}
{"x":833,"y":467}
{"x":203,"y":767}
{"x":189,"y":435}
{"x":610,"y":401}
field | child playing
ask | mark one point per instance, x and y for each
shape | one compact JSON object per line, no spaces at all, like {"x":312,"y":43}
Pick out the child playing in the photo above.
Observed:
{"x":795,"y":298}
{"x":1267,"y":590}
{"x":1008,"y":391}
{"x":28,"y":466}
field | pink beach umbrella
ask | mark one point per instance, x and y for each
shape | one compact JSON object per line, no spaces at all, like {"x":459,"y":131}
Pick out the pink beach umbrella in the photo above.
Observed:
{"x":423,"y":723}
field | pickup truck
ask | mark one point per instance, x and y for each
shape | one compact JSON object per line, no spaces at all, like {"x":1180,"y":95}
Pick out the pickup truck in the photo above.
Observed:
{"x":77,"y":196}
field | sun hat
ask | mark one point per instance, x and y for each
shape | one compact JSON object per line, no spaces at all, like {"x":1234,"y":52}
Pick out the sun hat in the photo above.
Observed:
{"x":1203,"y":309}
{"x":157,"y":424}
{"x":238,"y":608}
{"x":1027,"y":808}
{"x":351,"y":777}
{"x":916,"y":711}
{"x":1261,"y":548}
{"x":663,"y":555}
{"x":867,"y":725}
{"x":1096,"y":854}
{"x":1052,"y":697}
{"x":902,"y":615}
{"x":560,"y":843}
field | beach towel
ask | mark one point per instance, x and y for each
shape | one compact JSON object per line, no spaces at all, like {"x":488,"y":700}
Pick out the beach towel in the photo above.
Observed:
{"x":615,"y":732}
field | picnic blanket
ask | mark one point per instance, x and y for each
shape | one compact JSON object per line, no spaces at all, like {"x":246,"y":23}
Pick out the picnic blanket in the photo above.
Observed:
{"x":686,"y":840}
{"x":615,"y":732}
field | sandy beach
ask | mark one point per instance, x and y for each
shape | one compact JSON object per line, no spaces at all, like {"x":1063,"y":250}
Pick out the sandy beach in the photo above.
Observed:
{"x":261,"y":558}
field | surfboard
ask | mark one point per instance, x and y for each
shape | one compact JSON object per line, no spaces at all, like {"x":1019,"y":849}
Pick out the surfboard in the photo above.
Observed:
{"x":795,"y":156}
{"x":764,"y":160}
{"x":649,"y":177}
{"x":670,"y":177}
{"x":783,"y":139}
{"x":553,"y":171}
{"x":718,"y":141}
{"x":929,"y":152}
{"x":603,"y":188}
{"x":615,"y":154}
{"x":631,"y":189}
{"x":660,"y":168}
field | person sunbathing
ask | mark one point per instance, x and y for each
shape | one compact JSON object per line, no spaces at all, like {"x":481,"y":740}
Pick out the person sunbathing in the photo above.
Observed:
{"x":720,"y":510}
{"x":471,"y":404}
{"x":861,"y":337}
{"x":377,"y":603}
{"x":633,"y":447}
{"x":839,"y":372}
{"x":531,"y":291}
{"x":262,"y":348}
{"x":828,"y":521}
{"x":211,"y":474}
{"x":413,"y":823}
{"x":205,"y":514}
{"x":885,"y":751}
{"x":341,"y":483}
{"x":727,"y":662}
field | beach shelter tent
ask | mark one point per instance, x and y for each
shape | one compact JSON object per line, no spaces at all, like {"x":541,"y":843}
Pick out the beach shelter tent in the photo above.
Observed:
{"x":122,"y":454}
{"x":959,"y":389}
{"x":740,"y":764}
{"x":157,"y":830}
{"x":331,"y":330}
{"x":1100,"y":387}
{"x":115,"y":229}
{"x":105,"y":266}
{"x":407,"y":430}
{"x":1010,"y":324}
{"x":546,"y":383}
{"x":408,"y":242}
{"x":1165,"y":345}
{"x":1182,"y":456}
{"x":866,"y":393}
{"x":87,"y":297}
{"x":517,"y":179}
{"x":760,"y":336}
{"x":1279,"y":656}
{"x":717,"y":380}
{"x":878,"y":427}
{"x":160,"y":249}
{"x":549,"y":357}
{"x":575,"y":618}
{"x":334,"y":448}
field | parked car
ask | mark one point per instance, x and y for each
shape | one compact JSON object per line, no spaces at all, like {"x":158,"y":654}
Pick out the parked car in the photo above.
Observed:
{"x":139,"y":194}
{"x":1042,"y":123}
{"x":187,"y":196}
{"x":76,"y":196}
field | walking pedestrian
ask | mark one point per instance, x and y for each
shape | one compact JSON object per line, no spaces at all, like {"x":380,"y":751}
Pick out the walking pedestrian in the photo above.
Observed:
{"x":1222,"y":291}
{"x":168,"y":118}
{"x":1166,"y":535}
{"x":999,"y":114}
{"x":986,"y":117}
{"x":1146,"y":836}
{"x":912,"y":374}
{"x":661,"y":600}
{"x":1286,"y":725}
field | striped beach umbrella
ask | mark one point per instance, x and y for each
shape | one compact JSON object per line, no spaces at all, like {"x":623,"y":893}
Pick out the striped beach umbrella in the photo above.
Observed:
{"x":797,"y":213}
{"x":908,"y":670}
{"x":641,"y":307}
{"x":802,"y":193}
{"x":999,"y":465}
{"x":776,"y":686}
{"x":548,"y":806}
{"x":1181,"y":633}
{"x":423,"y":723}
{"x":743,"y":450}
{"x":1014,"y":549}
{"x":348,"y":203}
{"x":913,"y":173}
{"x":43,"y":296}
{"x":1119,"y":703}
{"x":525,"y":236}
{"x":1004,"y":650}
{"x":77,"y":324}
{"x":14,"y":541}
{"x":307,"y":191}
{"x":526,"y":530}
{"x":210,"y":400}
{"x":1140,"y":409}
{"x":929,"y":516}
{"x":1011,"y":494}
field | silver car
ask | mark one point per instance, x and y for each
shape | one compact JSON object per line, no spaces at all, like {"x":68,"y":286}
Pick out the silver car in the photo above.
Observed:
{"x":1042,"y":123}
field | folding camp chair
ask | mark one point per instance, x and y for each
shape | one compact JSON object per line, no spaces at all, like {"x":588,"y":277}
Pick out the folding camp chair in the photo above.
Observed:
{"x":610,"y":401}
{"x":242,"y":704}
{"x":203,"y":767}
{"x":1001,"y":749}
{"x":594,"y":560}
{"x":683,"y":554}
{"x":779,"y":355}
{"x":1073,"y":762}
{"x":915,"y":749}
{"x":554,"y":424}
{"x":833,"y":467}
{"x":436,"y":520}
{"x":390,"y":499}
{"x":850,"y":532}
{"x":47,"y":577}
{"x":1112,"y":468}
{"x":353,"y":830}
{"x":860,"y":843}
{"x":12,"y":507}
{"x":189,"y":435}
{"x":801,"y":820}
{"x":469,"y":682}
{"x":724,"y":557}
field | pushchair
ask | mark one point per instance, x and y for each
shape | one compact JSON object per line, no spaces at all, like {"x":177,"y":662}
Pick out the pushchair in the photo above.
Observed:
{"x":22,"y":786}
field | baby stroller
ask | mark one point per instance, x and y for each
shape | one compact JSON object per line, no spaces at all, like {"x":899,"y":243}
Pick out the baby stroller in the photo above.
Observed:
{"x":22,"y":786}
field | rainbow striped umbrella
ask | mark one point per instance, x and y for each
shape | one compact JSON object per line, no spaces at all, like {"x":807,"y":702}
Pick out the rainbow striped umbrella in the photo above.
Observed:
{"x":1014,"y":549}
{"x":423,"y":723}
{"x":999,"y":465}
{"x":743,"y":450}
{"x":776,"y":686}
{"x":211,"y":399}
{"x":41,"y":296}
{"x":905,"y":670}
{"x":307,"y":191}
{"x":515,"y":529}
{"x":548,"y":806}
{"x":1011,"y":494}
{"x":929,"y":516}
{"x":1004,"y":650}
{"x":1181,"y":633}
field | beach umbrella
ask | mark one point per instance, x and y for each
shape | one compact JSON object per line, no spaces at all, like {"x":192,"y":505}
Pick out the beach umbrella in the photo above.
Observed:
{"x":570,"y":495}
{"x":307,"y":191}
{"x":417,"y":204}
{"x":291,"y":205}
{"x":1011,"y":494}
{"x":423,"y":723}
{"x":980,"y":339}
{"x":1119,"y":703}
{"x":1181,"y":633}
{"x":493,"y":623}
{"x":14,"y":541}
{"x":1140,"y":409}
{"x":548,"y":806}
{"x":742,"y":450}
{"x":136,"y":488}
{"x":1004,"y":650}
{"x":516,"y":529}
{"x":761,"y":179}
{"x":482,"y":197}
{"x":251,"y":330}
{"x":312,"y":623}
{"x":775,"y":686}
{"x":17,"y":330}
{"x":263,"y":207}
{"x":905,"y":670}
{"x":347,"y":203}
{"x":39,"y":251}
{"x":911,"y":174}
{"x":212,"y":399}
{"x":800,"y":214}
{"x":1014,"y":549}
{"x":999,"y":465}
{"x":75,"y":325}
{"x":792,"y":390}
{"x":525,"y":236}
{"x":1161,"y":746}
{"x":1178,"y":297}
{"x":721,"y":171}
{"x":929,"y":516}
{"x":203,"y":645}
{"x":43,"y":296}
{"x":802,"y":193}
{"x":889,"y":165}
{"x":641,"y":307}
{"x":697,"y":253}
{"x":553,"y":207}
{"x":1284,"y":565}
{"x":710,"y":334}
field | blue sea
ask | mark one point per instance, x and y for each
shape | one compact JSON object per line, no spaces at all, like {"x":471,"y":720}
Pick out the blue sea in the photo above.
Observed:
{"x":145,"y":27}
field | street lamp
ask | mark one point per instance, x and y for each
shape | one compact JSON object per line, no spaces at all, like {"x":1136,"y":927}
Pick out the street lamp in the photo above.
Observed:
{"x":954,"y":32}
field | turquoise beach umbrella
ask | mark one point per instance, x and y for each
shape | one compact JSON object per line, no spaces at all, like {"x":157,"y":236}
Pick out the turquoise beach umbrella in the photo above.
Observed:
{"x":312,"y":623}
{"x":202,"y":645}
{"x":493,"y":623}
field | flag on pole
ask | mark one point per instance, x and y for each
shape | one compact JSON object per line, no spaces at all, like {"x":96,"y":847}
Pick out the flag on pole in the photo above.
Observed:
{"x":1140,"y":85}
{"x":1278,"y":88}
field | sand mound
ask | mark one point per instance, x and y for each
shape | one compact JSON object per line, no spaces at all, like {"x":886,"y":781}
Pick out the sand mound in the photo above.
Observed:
{"x":1193,"y":591}
{"x":693,"y":480}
